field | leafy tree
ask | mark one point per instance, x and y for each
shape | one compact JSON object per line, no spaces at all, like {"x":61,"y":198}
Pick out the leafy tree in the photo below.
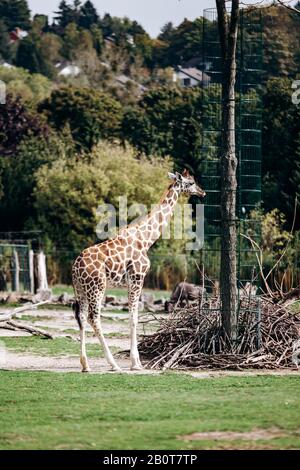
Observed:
{"x":167,"y":32}
{"x":15,"y":13}
{"x":106,"y":24}
{"x":5,"y":50}
{"x":16,"y":123}
{"x":33,"y":57}
{"x":134,"y":28}
{"x":167,"y":121}
{"x":181,"y":43}
{"x":19,"y":176}
{"x":64,"y":14}
{"x":281,"y":150}
{"x":32,"y":88}
{"x":275,"y":239}
{"x":75,"y":41}
{"x":50,"y":46}
{"x":144,"y":47}
{"x":40,"y":23}
{"x":68,"y":13}
{"x":120,"y":28}
{"x":28,"y":55}
{"x":69,"y":192}
{"x":281,"y":29}
{"x":88,"y":15}
{"x":91,"y":115}
{"x":97,"y":37}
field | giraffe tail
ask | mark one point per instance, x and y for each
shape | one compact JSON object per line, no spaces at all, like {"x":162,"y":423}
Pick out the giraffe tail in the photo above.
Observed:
{"x":76,"y":309}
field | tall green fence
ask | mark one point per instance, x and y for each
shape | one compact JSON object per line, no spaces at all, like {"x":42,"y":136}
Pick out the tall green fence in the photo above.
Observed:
{"x":248,"y":143}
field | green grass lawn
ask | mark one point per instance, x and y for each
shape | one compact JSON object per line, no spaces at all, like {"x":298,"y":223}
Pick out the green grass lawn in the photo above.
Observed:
{"x":295,"y":308}
{"x":42,"y":410}
{"x":50,"y":347}
{"x":118,"y":292}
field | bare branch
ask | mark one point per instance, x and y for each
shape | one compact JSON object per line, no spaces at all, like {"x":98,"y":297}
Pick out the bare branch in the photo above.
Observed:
{"x":289,"y":7}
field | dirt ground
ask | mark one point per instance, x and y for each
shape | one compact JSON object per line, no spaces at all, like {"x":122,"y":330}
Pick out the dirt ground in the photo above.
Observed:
{"x":115,"y":327}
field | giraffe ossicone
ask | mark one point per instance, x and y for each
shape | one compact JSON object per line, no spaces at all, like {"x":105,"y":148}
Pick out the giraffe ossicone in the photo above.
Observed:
{"x":123,"y":261}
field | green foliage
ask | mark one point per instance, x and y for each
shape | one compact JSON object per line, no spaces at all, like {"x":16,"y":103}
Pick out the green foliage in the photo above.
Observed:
{"x":75,"y":41}
{"x":67,"y":13}
{"x":50,"y":46}
{"x":97,"y":38}
{"x":5,"y":49}
{"x":181,"y":43}
{"x":32,"y":88}
{"x":19,"y":177}
{"x":88,"y":15}
{"x":15,"y":13}
{"x":32,"y":56}
{"x":69,"y":191}
{"x":16,"y":123}
{"x":40,"y":23}
{"x":91,"y":115}
{"x":274,"y":238}
{"x":281,"y":147}
{"x":167,"y":121}
{"x":281,"y":39}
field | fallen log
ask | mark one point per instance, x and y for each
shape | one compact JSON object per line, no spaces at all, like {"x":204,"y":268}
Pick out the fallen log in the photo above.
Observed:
{"x":7,"y":323}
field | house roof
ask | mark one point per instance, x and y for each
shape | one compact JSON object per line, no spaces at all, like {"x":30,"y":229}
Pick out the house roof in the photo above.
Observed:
{"x":17,"y":34}
{"x":70,"y":70}
{"x":194,"y":73}
{"x":123,"y":79}
{"x":7,"y":65}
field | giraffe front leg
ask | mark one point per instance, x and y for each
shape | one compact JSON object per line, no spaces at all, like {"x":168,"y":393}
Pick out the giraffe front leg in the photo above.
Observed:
{"x":134,"y":292}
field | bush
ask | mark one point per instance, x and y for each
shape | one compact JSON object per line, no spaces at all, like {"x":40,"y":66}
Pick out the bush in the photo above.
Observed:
{"x":69,"y":191}
{"x":18,"y":175}
{"x":31,"y":87}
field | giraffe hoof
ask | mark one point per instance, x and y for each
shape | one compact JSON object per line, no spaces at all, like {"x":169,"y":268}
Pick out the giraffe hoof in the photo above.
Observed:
{"x":86,"y":370}
{"x":137,"y":367}
{"x":116,"y":369}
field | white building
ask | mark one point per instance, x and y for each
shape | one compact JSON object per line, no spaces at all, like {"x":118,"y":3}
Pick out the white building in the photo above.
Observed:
{"x":190,"y":77}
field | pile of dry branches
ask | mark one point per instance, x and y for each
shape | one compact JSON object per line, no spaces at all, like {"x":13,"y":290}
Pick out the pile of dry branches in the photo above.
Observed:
{"x":268,"y":337}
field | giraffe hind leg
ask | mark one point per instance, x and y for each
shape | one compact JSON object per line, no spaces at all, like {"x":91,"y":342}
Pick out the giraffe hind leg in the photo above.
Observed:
{"x":134,"y":291}
{"x":95,"y":321}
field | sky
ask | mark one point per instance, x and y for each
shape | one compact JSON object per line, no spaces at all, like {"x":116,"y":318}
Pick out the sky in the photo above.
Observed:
{"x":152,"y":14}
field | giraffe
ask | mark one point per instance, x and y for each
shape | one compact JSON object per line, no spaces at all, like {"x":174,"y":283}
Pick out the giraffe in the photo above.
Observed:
{"x":123,"y":261}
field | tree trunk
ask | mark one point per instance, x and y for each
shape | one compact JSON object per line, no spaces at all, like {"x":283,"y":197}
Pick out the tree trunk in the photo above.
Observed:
{"x":228,"y":28}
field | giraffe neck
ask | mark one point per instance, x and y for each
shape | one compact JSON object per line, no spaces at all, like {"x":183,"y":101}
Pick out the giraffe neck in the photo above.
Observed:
{"x":151,"y":227}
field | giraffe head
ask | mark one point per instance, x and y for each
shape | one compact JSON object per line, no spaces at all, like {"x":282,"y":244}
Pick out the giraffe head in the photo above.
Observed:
{"x":187,"y":183}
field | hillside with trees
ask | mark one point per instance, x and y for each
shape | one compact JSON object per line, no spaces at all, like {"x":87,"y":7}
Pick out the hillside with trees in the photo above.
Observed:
{"x":88,"y":83}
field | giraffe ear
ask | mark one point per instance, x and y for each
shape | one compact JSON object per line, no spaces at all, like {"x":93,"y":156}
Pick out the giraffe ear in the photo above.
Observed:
{"x":172,"y":176}
{"x":185,"y":172}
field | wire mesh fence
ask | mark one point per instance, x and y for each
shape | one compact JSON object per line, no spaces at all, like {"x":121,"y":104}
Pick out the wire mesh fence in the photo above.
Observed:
{"x":248,"y":146}
{"x":15,"y":268}
{"x":16,"y":260}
